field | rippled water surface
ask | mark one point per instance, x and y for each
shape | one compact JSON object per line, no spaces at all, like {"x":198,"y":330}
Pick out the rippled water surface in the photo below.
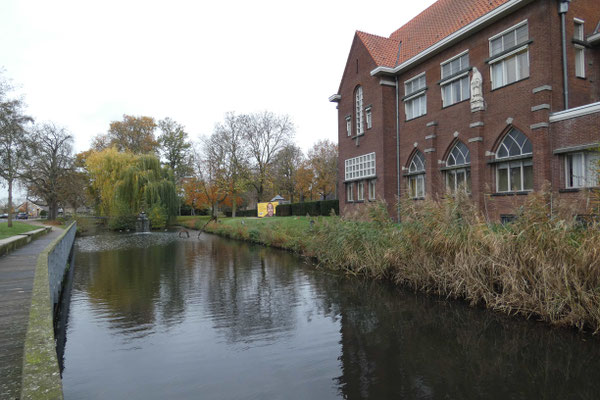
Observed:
{"x":153,"y":316}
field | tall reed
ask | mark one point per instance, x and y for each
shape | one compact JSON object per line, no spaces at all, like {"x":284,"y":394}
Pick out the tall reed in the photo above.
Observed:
{"x":543,"y":265}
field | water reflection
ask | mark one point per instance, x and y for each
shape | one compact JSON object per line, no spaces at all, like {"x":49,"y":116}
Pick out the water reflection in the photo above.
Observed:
{"x":154,"y":316}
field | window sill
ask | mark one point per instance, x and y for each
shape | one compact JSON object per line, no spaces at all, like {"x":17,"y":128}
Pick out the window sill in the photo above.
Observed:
{"x":417,"y":198}
{"x":578,"y":189}
{"x":359,"y":201}
{"x":355,"y":136}
{"x":509,"y":84}
{"x":412,"y":119}
{"x":458,"y":102}
{"x":519,"y":193}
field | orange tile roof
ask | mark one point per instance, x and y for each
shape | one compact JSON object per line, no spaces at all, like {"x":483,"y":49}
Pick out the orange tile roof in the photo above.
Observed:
{"x":441,"y":19}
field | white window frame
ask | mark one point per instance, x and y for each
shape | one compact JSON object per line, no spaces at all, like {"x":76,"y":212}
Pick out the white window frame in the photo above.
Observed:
{"x":361,"y":167}
{"x":358,"y":107}
{"x":372,"y":194}
{"x":349,"y":125}
{"x":579,"y":61}
{"x":360,"y":191}
{"x":464,"y":169}
{"x":350,"y":192}
{"x":509,"y":165}
{"x":579,"y":34}
{"x":416,"y":177}
{"x":455,"y":169}
{"x":523,"y":160}
{"x":503,"y":61}
{"x":369,"y":117}
{"x":415,"y":97}
{"x":416,"y":186}
{"x":464,"y":82}
{"x":587,"y":179}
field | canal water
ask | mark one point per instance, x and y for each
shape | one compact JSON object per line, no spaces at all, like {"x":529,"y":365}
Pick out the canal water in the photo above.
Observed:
{"x":154,"y":316}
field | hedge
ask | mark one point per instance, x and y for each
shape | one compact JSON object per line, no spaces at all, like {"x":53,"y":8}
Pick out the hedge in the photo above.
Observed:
{"x":312,"y":208}
{"x":242,"y":213}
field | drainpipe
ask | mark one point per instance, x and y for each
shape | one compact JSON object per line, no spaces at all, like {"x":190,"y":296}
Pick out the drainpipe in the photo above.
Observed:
{"x":563,"y":7}
{"x":398,"y":147}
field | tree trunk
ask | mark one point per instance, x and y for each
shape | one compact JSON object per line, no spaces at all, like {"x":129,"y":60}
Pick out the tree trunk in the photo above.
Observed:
{"x":233,"y":207}
{"x":10,"y":203}
{"x":52,"y":210}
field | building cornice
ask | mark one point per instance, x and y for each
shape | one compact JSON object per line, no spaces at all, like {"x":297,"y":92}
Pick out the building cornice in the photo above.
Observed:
{"x":454,"y":37}
{"x":575,"y":112}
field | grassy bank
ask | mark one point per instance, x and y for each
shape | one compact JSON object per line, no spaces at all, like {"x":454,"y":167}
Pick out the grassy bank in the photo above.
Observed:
{"x":545,"y":265}
{"x":17,"y":228}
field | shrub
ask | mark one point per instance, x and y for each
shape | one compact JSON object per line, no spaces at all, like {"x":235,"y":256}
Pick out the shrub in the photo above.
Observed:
{"x":158,"y":217}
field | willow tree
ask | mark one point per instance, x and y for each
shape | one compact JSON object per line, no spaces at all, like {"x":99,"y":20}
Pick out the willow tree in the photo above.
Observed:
{"x":145,"y":186}
{"x":125,"y":184}
{"x":105,"y":169}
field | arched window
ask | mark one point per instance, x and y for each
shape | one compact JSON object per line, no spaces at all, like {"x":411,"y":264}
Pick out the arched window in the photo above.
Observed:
{"x":458,"y":170}
{"x":358,"y":107}
{"x":416,"y":176}
{"x":515,"y":172}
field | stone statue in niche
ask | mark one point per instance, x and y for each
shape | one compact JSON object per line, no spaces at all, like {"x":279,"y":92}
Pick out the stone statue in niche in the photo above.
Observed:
{"x":477,"y":103}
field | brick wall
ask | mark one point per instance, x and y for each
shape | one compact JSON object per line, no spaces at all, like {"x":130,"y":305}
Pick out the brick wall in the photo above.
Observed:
{"x":525,"y":105}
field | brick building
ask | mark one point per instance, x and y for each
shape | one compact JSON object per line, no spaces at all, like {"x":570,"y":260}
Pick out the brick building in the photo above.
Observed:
{"x":494,"y":97}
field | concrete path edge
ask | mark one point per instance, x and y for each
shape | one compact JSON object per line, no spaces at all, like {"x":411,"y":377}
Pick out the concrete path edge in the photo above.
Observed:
{"x":14,"y":242}
{"x":41,"y":373}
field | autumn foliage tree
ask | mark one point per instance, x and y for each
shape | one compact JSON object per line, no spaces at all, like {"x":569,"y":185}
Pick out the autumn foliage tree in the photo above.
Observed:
{"x":323,"y":160}
{"x":132,"y":134}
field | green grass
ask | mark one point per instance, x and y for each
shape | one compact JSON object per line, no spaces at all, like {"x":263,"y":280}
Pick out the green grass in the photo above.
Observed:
{"x":292,"y":233}
{"x":17,"y":228}
{"x":192,"y":221}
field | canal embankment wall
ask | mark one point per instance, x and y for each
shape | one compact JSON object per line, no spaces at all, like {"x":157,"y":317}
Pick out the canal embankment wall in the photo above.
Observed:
{"x":41,"y":373}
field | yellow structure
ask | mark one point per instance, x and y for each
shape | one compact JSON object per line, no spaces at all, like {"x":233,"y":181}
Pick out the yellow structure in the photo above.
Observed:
{"x":267,"y":209}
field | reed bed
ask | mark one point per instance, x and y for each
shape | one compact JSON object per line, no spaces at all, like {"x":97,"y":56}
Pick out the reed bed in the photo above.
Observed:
{"x":544,"y":265}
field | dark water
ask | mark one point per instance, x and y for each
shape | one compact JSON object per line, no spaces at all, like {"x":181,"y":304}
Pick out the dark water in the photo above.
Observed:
{"x":157,"y":317}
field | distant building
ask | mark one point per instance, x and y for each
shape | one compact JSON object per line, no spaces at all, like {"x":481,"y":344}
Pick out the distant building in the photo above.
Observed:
{"x":470,"y":95}
{"x":32,"y":209}
{"x":280,"y":199}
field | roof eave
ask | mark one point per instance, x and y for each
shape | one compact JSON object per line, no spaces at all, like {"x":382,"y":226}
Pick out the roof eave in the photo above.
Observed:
{"x":449,"y":40}
{"x":594,"y":39}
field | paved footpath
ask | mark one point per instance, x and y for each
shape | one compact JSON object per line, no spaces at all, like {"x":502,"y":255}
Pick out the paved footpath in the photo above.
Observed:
{"x":16,"y":281}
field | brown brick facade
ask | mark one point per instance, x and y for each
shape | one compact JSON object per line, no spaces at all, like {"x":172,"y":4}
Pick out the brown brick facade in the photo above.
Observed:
{"x":528,"y":105}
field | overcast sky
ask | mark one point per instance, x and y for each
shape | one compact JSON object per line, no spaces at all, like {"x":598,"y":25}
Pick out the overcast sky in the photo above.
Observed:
{"x":83,"y":64}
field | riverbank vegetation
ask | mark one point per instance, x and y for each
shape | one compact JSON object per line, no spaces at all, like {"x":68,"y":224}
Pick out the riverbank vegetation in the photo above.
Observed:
{"x":544,"y":265}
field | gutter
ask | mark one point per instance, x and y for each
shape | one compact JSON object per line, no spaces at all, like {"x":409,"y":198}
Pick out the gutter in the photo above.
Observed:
{"x":563,"y":8}
{"x":398,"y":146}
{"x":458,"y":35}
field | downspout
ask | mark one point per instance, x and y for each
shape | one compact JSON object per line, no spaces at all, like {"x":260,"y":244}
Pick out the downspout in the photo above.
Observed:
{"x":397,"y":148}
{"x":563,"y":7}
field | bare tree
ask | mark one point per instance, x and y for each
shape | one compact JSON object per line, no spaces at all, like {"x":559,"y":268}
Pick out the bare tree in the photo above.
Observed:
{"x":286,"y":165}
{"x":49,"y":165}
{"x":266,"y":134}
{"x":229,"y":135}
{"x":13,"y":138}
{"x":210,"y":169}
{"x":175,"y":147}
